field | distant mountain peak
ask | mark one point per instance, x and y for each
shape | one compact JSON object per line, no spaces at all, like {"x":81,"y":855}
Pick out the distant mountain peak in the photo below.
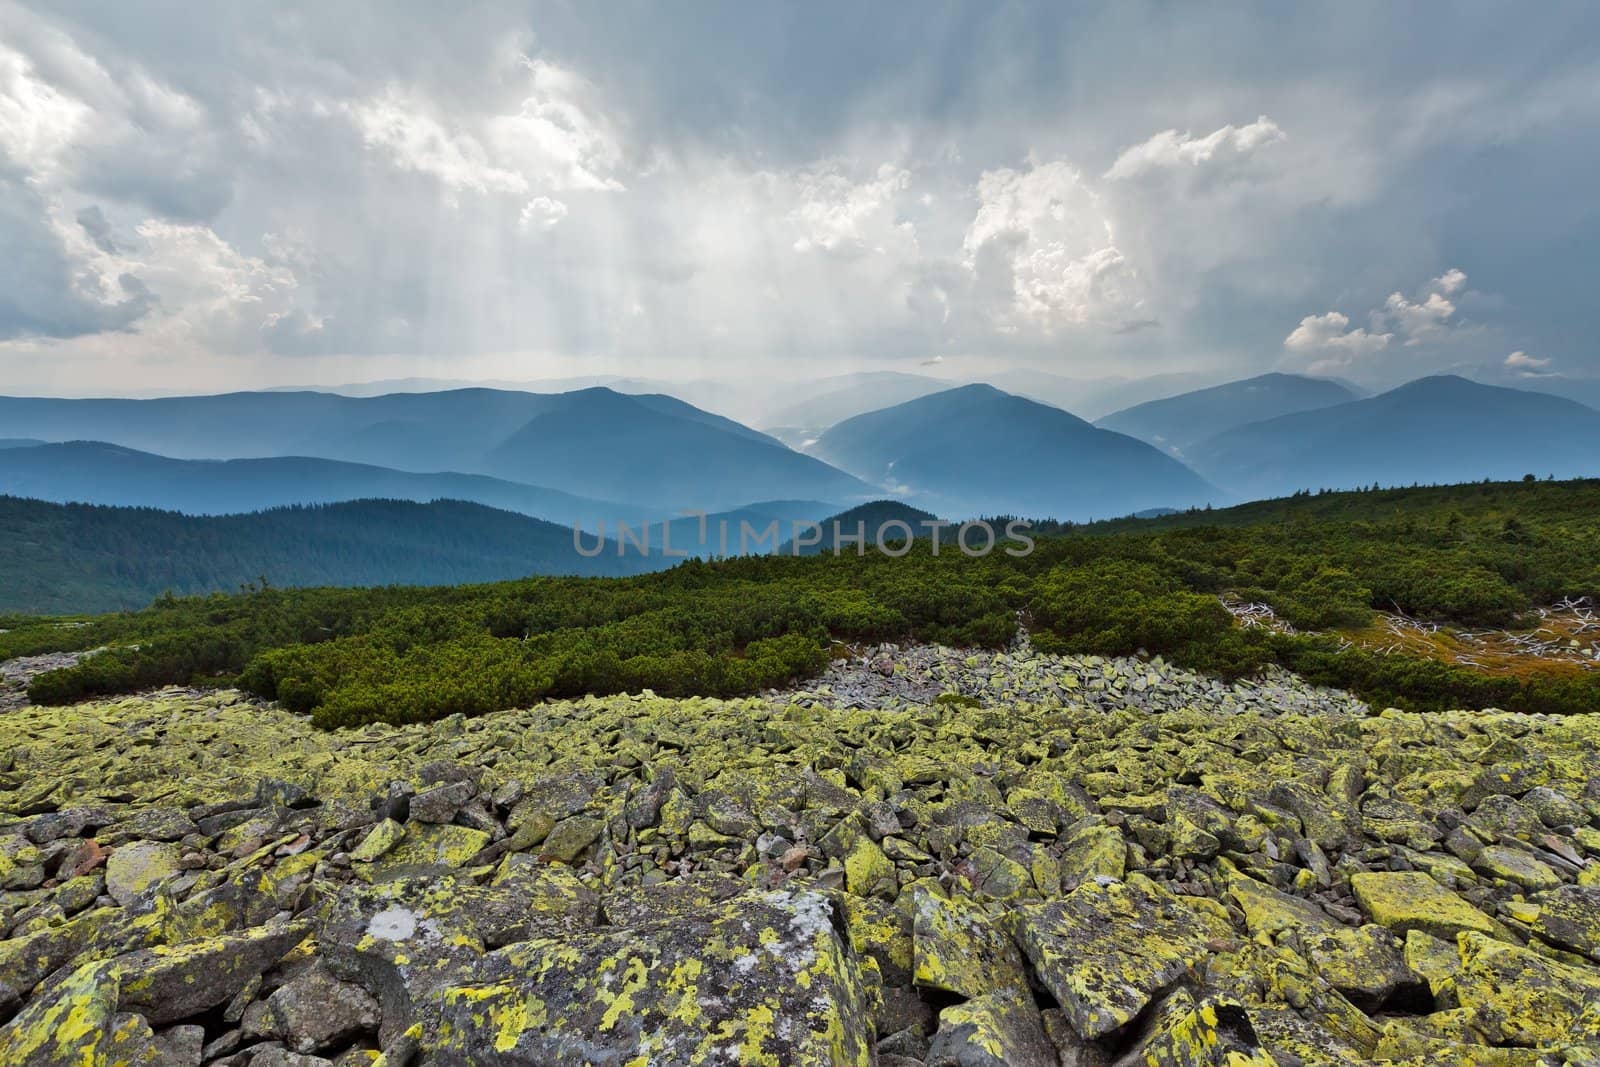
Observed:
{"x":977,"y":450}
{"x":1176,"y":423}
{"x":1437,"y":429}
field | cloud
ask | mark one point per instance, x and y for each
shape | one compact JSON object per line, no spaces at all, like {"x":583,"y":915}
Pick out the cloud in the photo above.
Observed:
{"x":94,"y":223}
{"x":1043,"y":250}
{"x":675,"y":197}
{"x":38,"y":122}
{"x":1170,"y":150}
{"x":1418,"y":322}
{"x":838,"y":215}
{"x":1135,"y":325}
{"x":559,"y":137}
{"x":553,"y":142}
{"x":398,"y":124}
{"x":1524,"y":365}
{"x":542,"y":213}
{"x":1429,"y":319}
{"x":1331,"y":333}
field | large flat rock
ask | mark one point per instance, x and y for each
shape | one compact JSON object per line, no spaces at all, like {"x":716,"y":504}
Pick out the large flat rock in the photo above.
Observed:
{"x":762,"y":978}
{"x":1107,"y":948}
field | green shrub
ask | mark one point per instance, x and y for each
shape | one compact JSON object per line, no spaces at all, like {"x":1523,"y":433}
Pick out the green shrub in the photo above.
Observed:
{"x":1470,"y":555}
{"x":1119,"y":607}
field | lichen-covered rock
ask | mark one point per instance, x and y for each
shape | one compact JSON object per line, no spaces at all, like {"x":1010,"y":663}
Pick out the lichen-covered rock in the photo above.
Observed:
{"x":867,"y":871}
{"x":1184,"y":1033}
{"x":763,"y":979}
{"x":882,"y":931}
{"x":1328,"y":821}
{"x":1518,"y":997}
{"x":999,"y":1029}
{"x":1406,"y":1044}
{"x":68,"y":1026}
{"x":404,"y":940}
{"x":1269,"y":913}
{"x":1410,"y":900}
{"x":528,"y":899}
{"x":960,"y":948}
{"x":685,"y":897}
{"x":1514,"y":865}
{"x":1437,"y":962}
{"x":433,"y":845}
{"x":1366,"y":964}
{"x":1569,"y":918}
{"x":441,"y":803}
{"x":136,"y":867}
{"x":1098,"y":851}
{"x":1279,"y":818}
{"x":167,"y":984}
{"x":317,"y":1011}
{"x":379,"y":842}
{"x":1108,"y":947}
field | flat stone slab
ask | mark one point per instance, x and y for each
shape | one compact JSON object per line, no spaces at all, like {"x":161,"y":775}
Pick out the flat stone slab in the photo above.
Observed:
{"x":762,"y":979}
{"x":1108,"y":947}
{"x":1410,"y":900}
{"x":1569,"y":918}
{"x":959,"y":948}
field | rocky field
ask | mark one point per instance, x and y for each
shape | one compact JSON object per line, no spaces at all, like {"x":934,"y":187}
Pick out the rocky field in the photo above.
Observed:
{"x":929,"y":857}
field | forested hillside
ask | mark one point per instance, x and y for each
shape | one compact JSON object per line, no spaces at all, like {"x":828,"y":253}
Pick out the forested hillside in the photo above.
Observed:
{"x":93,"y":472}
{"x":1477,"y":556}
{"x":85,"y":558}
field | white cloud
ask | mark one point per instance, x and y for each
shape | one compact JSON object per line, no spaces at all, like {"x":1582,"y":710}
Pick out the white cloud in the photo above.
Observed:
{"x":1171,"y":150}
{"x":74,"y":132}
{"x":1525,"y":365}
{"x":553,"y":142}
{"x":1428,"y":319}
{"x":558,"y":138}
{"x":542,"y":213}
{"x":836,"y":214}
{"x":399,"y":123}
{"x":1331,"y":333}
{"x":1042,"y":247}
{"x":1418,"y":322}
{"x":211,"y":297}
{"x":37,"y":121}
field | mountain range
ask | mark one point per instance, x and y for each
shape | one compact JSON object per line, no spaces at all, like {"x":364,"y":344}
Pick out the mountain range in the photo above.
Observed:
{"x":101,"y":473}
{"x":651,"y":451}
{"x":1434,"y":430}
{"x":1180,"y":422}
{"x":595,"y":454}
{"x":979,"y":451}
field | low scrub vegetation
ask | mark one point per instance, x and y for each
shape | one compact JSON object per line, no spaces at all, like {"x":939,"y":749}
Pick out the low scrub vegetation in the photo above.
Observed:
{"x":1469,"y":555}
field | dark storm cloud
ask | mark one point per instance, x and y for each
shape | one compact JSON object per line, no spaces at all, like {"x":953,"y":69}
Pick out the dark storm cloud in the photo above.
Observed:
{"x":691,"y":188}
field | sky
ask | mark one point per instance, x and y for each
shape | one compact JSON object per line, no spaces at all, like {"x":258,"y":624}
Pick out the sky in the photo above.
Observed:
{"x":205,"y":197}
